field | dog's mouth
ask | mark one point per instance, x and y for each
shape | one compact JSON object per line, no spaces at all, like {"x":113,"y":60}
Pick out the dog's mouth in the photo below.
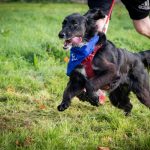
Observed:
{"x":71,"y":42}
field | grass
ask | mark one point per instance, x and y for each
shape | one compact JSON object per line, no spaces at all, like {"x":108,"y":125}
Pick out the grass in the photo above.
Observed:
{"x":32,"y":80}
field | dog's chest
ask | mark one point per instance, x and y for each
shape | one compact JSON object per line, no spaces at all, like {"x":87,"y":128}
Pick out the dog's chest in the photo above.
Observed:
{"x":86,"y":69}
{"x":87,"y":64}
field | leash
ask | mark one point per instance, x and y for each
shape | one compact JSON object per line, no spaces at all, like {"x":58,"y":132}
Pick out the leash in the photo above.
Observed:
{"x":108,"y":17}
{"x":88,"y":61}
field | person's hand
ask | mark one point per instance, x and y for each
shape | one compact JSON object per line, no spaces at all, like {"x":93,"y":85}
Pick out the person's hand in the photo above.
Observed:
{"x":101,"y":25}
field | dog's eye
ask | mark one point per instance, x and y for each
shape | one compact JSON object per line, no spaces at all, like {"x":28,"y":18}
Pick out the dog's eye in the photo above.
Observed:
{"x":74,"y":22}
{"x":75,"y":25}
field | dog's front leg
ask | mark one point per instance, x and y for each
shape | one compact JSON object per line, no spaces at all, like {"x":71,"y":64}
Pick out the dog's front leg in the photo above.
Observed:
{"x":93,"y":97}
{"x":106,"y":73}
{"x":73,"y":89}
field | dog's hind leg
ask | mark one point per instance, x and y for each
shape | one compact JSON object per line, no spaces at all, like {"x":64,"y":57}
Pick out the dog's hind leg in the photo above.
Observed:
{"x":144,"y":97}
{"x":141,"y":87}
{"x":120,"y":99}
{"x":143,"y":94}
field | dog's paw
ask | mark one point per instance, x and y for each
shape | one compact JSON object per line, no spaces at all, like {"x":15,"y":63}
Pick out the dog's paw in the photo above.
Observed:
{"x":94,"y":102}
{"x":127,"y":114}
{"x":62,"y":106}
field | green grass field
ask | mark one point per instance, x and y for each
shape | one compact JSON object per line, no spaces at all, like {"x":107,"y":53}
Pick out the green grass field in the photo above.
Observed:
{"x":32,"y":80}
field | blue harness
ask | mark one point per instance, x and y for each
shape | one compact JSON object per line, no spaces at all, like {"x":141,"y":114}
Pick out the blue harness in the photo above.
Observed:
{"x":78,"y":54}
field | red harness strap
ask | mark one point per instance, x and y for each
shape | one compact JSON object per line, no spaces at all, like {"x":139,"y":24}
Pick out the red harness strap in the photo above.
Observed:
{"x":87,"y":62}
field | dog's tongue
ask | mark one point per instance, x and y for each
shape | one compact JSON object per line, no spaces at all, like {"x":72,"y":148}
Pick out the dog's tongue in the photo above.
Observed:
{"x":76,"y":40}
{"x":72,"y":42}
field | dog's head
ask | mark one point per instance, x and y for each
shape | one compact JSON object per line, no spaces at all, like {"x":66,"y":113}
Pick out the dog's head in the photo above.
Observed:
{"x":77,"y":28}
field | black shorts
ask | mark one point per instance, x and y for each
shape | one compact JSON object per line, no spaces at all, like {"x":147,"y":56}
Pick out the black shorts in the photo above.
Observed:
{"x":138,"y":9}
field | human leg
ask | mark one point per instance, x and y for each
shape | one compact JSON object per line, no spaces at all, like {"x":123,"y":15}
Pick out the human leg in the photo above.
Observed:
{"x":142,"y":26}
{"x":139,"y":12}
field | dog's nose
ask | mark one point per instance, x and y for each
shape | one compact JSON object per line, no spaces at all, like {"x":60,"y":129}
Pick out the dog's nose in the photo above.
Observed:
{"x":62,"y":35}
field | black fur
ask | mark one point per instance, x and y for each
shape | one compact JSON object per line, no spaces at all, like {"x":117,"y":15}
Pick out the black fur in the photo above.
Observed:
{"x":117,"y":68}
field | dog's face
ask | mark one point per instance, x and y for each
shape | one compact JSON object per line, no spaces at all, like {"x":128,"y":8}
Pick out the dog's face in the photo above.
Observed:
{"x":73,"y":29}
{"x":77,"y":28}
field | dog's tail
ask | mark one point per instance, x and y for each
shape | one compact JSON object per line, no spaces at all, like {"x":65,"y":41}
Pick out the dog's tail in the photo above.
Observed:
{"x":145,"y":57}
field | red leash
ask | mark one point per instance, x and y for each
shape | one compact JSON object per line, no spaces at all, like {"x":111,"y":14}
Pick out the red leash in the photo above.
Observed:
{"x":108,"y":17}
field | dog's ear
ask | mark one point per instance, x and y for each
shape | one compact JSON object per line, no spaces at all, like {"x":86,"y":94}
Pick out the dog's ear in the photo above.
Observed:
{"x":95,"y":14}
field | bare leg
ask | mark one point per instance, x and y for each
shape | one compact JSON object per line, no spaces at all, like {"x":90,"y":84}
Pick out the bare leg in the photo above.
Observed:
{"x":142,"y":26}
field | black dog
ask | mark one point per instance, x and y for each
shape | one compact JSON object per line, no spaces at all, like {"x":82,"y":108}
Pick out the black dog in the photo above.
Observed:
{"x":120,"y":70}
